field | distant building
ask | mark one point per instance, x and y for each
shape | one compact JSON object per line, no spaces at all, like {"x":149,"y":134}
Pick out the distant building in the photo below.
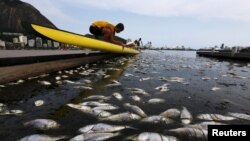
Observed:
{"x":31,"y":43}
{"x":39,"y":42}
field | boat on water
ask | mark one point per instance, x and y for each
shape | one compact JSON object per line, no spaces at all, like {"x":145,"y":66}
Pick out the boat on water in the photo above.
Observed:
{"x":237,"y":53}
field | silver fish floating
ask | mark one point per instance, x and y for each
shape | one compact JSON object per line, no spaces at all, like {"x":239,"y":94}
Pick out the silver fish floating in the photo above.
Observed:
{"x":151,"y":136}
{"x":157,"y":119}
{"x":163,"y":88}
{"x":83,"y":87}
{"x":171,"y":113}
{"x":191,"y":132}
{"x":42,"y":124}
{"x":186,"y":116}
{"x":118,"y":96}
{"x":135,"y":109}
{"x":101,"y":128}
{"x":144,"y":79}
{"x":109,"y":107}
{"x":97,"y":97}
{"x":114,"y":84}
{"x":127,"y":116}
{"x":215,"y":117}
{"x":156,"y":101}
{"x":94,"y":137}
{"x":39,"y":137}
{"x":138,"y":91}
{"x":135,"y":98}
{"x":38,"y":103}
{"x":215,"y":88}
{"x":46,"y":83}
{"x":94,"y":103}
{"x":240,"y":115}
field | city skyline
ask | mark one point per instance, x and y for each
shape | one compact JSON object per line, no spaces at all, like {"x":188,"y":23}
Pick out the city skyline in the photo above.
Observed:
{"x":190,"y":23}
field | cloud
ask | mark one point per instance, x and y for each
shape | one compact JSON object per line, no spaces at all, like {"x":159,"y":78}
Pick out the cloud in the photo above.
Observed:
{"x":200,"y":9}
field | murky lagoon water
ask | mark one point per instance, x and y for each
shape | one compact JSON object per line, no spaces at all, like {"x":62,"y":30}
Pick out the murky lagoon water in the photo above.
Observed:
{"x":207,"y":89}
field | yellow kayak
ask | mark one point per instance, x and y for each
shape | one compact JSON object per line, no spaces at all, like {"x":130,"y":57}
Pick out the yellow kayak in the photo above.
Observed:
{"x":81,"y":41}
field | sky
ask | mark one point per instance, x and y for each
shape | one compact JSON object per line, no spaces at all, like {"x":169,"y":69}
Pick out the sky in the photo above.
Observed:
{"x":171,"y":23}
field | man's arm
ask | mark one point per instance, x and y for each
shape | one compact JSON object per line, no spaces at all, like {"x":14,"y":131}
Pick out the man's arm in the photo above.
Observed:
{"x":109,"y":36}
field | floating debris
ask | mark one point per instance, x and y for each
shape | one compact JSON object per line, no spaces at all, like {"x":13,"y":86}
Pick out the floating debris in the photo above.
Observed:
{"x":144,"y":79}
{"x":206,"y":78}
{"x":46,"y":83}
{"x":42,"y":124}
{"x":39,"y":103}
{"x":215,"y":88}
{"x":163,"y":88}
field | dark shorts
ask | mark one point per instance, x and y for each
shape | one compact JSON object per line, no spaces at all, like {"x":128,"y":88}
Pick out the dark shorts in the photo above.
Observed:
{"x":96,"y":31}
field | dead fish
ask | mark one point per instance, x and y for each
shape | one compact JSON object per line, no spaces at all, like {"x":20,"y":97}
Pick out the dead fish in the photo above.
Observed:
{"x":204,"y":125}
{"x":114,"y":83}
{"x":240,"y":115}
{"x":118,"y":96}
{"x":58,"y":78}
{"x":151,"y":136}
{"x":186,"y":116}
{"x":10,"y":112}
{"x":101,"y":128}
{"x":83,"y":87}
{"x":2,"y":86}
{"x":39,"y":137}
{"x":171,"y":113}
{"x":127,"y":116}
{"x":39,"y":103}
{"x":135,"y":98}
{"x":97,"y":97}
{"x":42,"y":124}
{"x":20,"y":81}
{"x":157,"y":119}
{"x":94,"y":103}
{"x":163,"y":88}
{"x":94,"y":137}
{"x":144,"y":79}
{"x":215,"y":117}
{"x":84,"y":73}
{"x":100,"y":73}
{"x":156,"y":101}
{"x":205,"y":78}
{"x":190,"y":132}
{"x":138,"y":91}
{"x":128,"y":74}
{"x":215,"y":88}
{"x":69,"y":81}
{"x":109,"y":107}
{"x":88,"y":81}
{"x":46,"y":83}
{"x":80,"y":107}
{"x":106,"y":76}
{"x":135,"y":109}
{"x":173,"y":79}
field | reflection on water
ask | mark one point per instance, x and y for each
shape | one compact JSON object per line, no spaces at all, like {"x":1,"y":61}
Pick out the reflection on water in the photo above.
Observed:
{"x":154,"y":96}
